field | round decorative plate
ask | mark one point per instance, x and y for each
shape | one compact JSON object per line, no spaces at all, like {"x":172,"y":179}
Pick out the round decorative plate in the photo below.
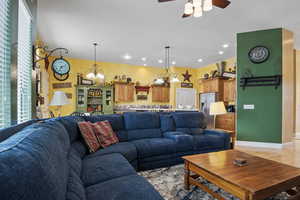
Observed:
{"x":259,"y":54}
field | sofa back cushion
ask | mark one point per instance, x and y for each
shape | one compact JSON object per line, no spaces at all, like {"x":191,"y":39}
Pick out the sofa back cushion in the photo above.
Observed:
{"x":71,"y":125}
{"x":33,"y":163}
{"x":141,"y":120}
{"x":116,"y":122}
{"x":167,"y":123}
{"x":142,"y":125}
{"x":189,"y":120}
{"x":7,"y":132}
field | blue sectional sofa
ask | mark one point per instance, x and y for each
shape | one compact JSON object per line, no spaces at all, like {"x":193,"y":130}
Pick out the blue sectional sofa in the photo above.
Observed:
{"x":49,"y":160}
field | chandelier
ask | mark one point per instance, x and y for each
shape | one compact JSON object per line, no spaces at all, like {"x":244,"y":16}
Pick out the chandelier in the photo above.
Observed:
{"x":196,"y":7}
{"x":172,"y":76}
{"x":95,"y":74}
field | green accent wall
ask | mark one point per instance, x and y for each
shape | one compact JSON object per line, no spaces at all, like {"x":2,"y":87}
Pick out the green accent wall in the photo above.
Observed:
{"x":264,"y":123}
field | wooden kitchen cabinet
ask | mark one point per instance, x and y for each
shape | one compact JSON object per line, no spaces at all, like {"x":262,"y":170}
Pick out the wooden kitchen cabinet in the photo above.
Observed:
{"x":160,"y":94}
{"x":215,"y":85}
{"x":226,"y":121}
{"x":124,"y":92}
{"x":230,"y":90}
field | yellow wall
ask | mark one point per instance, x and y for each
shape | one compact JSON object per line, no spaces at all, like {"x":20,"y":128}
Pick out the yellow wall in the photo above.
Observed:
{"x":145,"y":75}
{"x":297,"y":65}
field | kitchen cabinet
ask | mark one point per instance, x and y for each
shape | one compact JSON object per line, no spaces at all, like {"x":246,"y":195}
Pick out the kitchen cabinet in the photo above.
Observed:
{"x":230,"y":90}
{"x":160,"y":94}
{"x":124,"y":92}
{"x":226,"y":121}
{"x":215,"y":85}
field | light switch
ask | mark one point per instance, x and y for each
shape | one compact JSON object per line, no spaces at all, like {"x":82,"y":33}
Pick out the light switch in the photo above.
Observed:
{"x":249,"y":107}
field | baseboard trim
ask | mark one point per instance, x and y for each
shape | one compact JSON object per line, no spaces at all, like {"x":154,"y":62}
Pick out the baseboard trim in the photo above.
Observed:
{"x":297,"y":137}
{"x":261,"y":144}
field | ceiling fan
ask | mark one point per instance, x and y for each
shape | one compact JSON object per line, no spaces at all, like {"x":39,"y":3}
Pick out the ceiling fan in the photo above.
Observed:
{"x":196,"y":7}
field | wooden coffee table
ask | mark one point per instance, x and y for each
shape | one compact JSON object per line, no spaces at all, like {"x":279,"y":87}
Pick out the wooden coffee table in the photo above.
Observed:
{"x":259,"y":179}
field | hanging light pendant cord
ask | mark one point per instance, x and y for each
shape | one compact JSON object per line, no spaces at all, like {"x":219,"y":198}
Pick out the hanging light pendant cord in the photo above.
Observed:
{"x":167,"y":58}
{"x":95,"y":54}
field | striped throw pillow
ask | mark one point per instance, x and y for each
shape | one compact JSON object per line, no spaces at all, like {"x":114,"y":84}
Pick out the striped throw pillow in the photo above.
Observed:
{"x":88,"y":134}
{"x":105,"y":134}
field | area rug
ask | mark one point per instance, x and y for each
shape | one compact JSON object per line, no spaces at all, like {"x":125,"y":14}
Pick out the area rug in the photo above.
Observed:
{"x":170,"y":184}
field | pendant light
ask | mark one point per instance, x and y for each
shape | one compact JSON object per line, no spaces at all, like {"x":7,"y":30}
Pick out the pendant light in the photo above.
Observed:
{"x":173,"y":77}
{"x":95,"y":74}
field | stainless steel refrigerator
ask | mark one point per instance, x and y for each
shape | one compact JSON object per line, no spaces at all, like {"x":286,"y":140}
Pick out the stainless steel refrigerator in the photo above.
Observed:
{"x":205,"y":100}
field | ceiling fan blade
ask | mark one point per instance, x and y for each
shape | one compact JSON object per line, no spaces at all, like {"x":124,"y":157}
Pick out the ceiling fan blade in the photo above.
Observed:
{"x":161,"y":1}
{"x":221,"y":3}
{"x":185,"y":15}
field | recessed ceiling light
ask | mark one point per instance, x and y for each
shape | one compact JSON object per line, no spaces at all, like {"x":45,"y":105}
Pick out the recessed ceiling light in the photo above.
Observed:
{"x":160,"y":61}
{"x":225,"y":46}
{"x":145,"y":65}
{"x":144,"y":59}
{"x":200,"y":60}
{"x":173,"y":63}
{"x":221,"y":52}
{"x":127,"y":57}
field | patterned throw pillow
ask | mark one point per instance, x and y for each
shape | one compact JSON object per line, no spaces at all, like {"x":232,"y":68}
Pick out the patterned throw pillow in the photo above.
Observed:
{"x":88,"y":134}
{"x":105,"y":134}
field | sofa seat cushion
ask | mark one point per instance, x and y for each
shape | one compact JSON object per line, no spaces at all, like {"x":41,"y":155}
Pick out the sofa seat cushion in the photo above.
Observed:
{"x":102,"y":168}
{"x":208,"y":142}
{"x":154,"y":147}
{"x":191,"y":131}
{"x":127,"y":149}
{"x":184,"y":142}
{"x":144,"y":133}
{"x":131,"y":187}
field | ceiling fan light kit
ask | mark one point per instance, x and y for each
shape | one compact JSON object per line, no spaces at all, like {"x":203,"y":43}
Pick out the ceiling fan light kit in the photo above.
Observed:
{"x":198,"y":12}
{"x":207,"y":5}
{"x":188,"y":8}
{"x":196,"y":7}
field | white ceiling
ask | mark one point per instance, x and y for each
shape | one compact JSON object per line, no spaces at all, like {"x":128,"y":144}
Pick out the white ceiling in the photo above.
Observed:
{"x":142,"y":28}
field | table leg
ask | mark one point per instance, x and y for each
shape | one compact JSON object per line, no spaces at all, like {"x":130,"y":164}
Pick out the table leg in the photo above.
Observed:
{"x":187,"y":174}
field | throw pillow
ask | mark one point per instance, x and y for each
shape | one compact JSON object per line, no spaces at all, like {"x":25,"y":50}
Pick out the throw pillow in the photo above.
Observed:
{"x":88,"y":134}
{"x":105,"y":134}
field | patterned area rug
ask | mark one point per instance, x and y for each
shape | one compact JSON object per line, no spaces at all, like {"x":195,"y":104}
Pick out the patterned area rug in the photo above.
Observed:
{"x":169,"y":182}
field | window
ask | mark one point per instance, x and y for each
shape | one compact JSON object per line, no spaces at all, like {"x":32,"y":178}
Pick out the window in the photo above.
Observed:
{"x":24,"y":63}
{"x":5,"y":61}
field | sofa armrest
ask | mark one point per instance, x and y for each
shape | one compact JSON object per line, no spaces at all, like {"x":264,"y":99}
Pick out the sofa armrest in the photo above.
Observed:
{"x":223,"y":134}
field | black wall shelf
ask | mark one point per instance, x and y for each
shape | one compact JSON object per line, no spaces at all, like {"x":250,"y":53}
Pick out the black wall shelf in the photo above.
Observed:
{"x":260,"y":81}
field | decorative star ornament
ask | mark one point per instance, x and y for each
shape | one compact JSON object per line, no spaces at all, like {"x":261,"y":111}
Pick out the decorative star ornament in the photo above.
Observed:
{"x":187,"y":76}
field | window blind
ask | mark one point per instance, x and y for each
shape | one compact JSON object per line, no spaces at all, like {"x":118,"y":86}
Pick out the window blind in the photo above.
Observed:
{"x":5,"y":63}
{"x":24,"y":63}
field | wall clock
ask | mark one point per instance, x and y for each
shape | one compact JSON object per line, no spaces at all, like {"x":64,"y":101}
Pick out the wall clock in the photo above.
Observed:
{"x":61,"y":66}
{"x":259,"y":54}
{"x":61,"y":77}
